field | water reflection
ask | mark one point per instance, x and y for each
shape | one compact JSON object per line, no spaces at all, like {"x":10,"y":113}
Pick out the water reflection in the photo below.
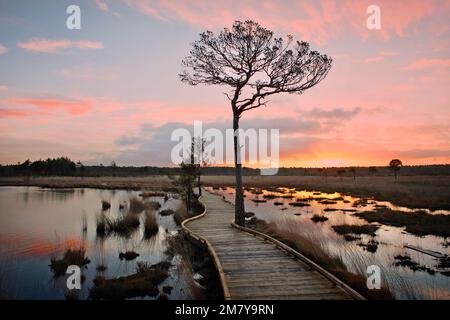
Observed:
{"x":40,"y":224}
{"x":292,"y":209}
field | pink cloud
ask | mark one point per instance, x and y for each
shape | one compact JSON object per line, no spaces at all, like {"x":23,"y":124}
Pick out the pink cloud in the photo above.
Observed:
{"x":316,"y":21}
{"x":427,"y":63}
{"x":53,"y":46}
{"x":87,"y":44}
{"x":102,"y":5}
{"x":73,"y":107}
{"x":5,"y":113}
{"x":3,"y":49}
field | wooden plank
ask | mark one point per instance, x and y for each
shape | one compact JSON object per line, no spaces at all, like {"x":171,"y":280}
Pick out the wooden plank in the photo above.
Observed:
{"x":251,"y":267}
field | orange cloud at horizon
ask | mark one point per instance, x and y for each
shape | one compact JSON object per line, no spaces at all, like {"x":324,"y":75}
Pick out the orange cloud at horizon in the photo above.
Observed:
{"x":73,"y":107}
{"x":119,"y":97}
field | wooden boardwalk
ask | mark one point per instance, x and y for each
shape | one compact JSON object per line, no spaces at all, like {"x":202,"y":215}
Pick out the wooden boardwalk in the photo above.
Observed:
{"x":251,"y":267}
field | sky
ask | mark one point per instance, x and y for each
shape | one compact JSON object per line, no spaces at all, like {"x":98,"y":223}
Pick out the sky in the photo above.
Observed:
{"x":111,"y":91}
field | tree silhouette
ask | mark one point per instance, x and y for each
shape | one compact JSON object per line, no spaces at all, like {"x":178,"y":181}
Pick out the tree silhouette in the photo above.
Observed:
{"x":340,"y":173}
{"x":254,"y":65}
{"x":372,"y":170}
{"x":198,"y":146}
{"x":395,"y":166}
{"x":189,"y":172}
{"x":353,"y":171}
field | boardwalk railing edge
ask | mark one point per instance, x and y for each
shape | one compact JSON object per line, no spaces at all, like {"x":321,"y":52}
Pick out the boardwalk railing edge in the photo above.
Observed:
{"x":212,"y":252}
{"x":301,"y":257}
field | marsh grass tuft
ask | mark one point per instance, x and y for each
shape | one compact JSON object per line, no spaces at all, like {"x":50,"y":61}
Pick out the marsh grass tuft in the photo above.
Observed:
{"x":368,"y":229}
{"x":299,"y":204}
{"x":105,"y":205}
{"x":128,"y":255}
{"x":148,"y":194}
{"x":143,"y":283}
{"x":136,"y":205}
{"x":70,"y":257}
{"x":101,"y":267}
{"x":259,"y":200}
{"x":122,"y":226}
{"x":151,"y":226}
{"x":166,"y":212}
{"x":181,"y":213}
{"x":418,"y":223}
{"x":318,"y":218}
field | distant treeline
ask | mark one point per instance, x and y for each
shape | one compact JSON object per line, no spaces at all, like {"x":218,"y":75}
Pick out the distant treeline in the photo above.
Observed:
{"x":63,"y":166}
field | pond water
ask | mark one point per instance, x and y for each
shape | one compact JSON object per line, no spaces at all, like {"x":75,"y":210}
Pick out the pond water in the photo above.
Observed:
{"x":427,"y":281}
{"x":37,"y":224}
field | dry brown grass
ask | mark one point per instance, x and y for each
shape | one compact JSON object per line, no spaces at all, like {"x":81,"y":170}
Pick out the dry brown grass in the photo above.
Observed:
{"x":409,"y":191}
{"x":136,"y":205}
{"x":418,"y":223}
{"x":313,"y":248}
{"x":151,"y":226}
{"x":148,"y":194}
{"x":343,"y":229}
{"x":156,"y":183}
{"x":143,"y":283}
{"x":181,"y":214}
{"x":122,"y":226}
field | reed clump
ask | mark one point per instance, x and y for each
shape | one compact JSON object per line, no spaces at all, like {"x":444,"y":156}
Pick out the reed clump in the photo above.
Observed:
{"x":368,"y":229}
{"x":318,"y":218}
{"x":105,"y":205}
{"x":418,"y":223}
{"x":166,"y":212}
{"x":151,"y":225}
{"x":136,"y":205}
{"x":143,"y":283}
{"x":122,"y":226}
{"x":70,"y":257}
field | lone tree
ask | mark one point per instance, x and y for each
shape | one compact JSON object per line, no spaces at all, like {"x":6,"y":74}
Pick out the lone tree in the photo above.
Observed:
{"x":189,"y":173}
{"x":198,"y":146}
{"x":253,"y":65}
{"x":395,"y":166}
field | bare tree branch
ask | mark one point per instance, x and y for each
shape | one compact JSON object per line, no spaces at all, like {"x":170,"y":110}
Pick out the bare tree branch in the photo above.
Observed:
{"x":248,"y":56}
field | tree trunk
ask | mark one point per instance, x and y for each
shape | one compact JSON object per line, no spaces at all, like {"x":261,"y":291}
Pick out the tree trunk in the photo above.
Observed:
{"x":239,"y":210}
{"x":189,"y":198}
{"x":199,"y":185}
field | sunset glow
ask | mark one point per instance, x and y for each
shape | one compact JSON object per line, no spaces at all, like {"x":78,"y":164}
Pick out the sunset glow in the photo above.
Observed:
{"x":111,"y":90}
